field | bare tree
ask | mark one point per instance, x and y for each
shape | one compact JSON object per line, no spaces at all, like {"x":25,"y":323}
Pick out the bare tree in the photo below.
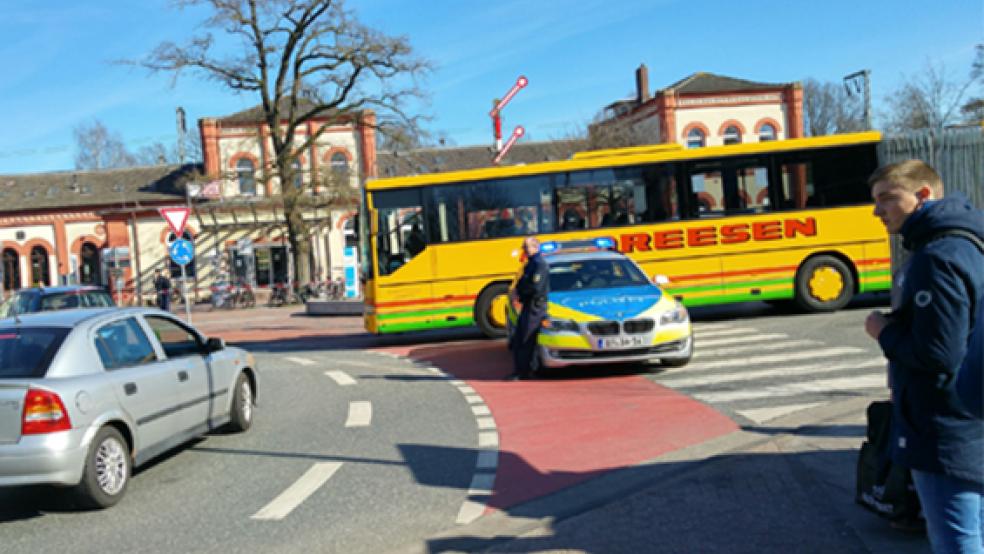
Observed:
{"x":617,"y":133}
{"x":99,"y":148}
{"x":159,"y":153}
{"x":929,"y":100}
{"x":973,"y":109}
{"x":305,"y":60}
{"x":827,"y":109}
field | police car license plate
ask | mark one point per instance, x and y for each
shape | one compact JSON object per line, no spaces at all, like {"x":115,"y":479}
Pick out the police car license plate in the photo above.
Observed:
{"x":622,"y":342}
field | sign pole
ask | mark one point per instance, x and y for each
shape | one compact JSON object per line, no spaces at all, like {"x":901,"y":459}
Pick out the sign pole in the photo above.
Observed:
{"x":184,"y":294}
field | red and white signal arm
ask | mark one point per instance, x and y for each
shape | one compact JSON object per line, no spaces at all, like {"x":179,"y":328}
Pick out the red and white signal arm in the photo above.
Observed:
{"x":176,"y":218}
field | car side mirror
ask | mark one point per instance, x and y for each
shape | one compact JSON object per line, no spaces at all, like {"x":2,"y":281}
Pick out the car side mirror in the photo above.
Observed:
{"x":661,"y":280}
{"x":214,"y":344}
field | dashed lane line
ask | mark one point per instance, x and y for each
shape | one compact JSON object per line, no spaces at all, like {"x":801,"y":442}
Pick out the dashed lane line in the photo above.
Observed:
{"x":826,"y":386}
{"x":341,"y":378}
{"x":742,"y":339}
{"x":731,"y":350}
{"x":757,"y":360}
{"x":360,"y":414}
{"x":683,"y":380}
{"x":281,"y":506}
{"x":300,"y":361}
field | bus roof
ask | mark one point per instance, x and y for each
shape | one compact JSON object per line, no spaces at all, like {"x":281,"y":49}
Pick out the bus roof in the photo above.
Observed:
{"x":623,"y":157}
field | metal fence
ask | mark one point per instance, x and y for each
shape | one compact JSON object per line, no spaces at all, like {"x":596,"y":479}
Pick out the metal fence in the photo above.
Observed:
{"x":958,"y":156}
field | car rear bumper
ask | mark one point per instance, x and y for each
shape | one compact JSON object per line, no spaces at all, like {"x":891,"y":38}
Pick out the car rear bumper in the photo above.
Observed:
{"x":678,"y":349}
{"x":55,"y":458}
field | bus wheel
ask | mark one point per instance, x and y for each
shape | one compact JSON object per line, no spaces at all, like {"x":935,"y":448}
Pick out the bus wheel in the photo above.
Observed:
{"x":824,"y":284}
{"x":490,"y":310}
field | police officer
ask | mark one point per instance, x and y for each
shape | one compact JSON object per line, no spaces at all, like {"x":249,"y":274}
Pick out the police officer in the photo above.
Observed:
{"x":531,"y":289}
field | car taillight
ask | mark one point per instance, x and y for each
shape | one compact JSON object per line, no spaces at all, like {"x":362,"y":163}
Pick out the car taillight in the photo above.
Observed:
{"x":44,"y":412}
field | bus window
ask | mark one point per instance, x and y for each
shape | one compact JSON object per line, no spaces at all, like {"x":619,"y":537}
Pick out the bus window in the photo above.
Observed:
{"x":401,"y":228}
{"x":797,"y":185}
{"x":753,"y":190}
{"x":707,"y":193}
{"x":445,"y":212}
{"x":656,"y":200}
{"x":602,"y":198}
{"x":507,"y":207}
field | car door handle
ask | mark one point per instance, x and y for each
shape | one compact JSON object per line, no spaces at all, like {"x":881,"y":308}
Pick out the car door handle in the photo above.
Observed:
{"x":182,"y":376}
{"x":130,"y":389}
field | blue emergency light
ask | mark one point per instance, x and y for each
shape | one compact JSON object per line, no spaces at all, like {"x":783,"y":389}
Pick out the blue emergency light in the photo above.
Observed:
{"x":548,"y":247}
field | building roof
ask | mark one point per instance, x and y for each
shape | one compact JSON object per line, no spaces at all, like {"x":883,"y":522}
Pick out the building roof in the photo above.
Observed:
{"x":432,"y":160}
{"x":77,"y":189}
{"x":702,"y":83}
{"x":256,"y":114}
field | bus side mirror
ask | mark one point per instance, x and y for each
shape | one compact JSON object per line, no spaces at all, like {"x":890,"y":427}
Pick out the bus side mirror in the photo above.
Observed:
{"x":661,"y":280}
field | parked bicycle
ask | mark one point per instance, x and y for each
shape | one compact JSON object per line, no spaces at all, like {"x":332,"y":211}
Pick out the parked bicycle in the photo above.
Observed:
{"x":228,"y":296}
{"x":281,"y":294}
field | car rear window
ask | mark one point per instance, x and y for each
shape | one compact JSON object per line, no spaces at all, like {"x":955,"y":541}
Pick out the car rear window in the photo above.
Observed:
{"x":19,"y":303}
{"x":98,"y":299}
{"x":28,"y":351}
{"x":61,"y":301}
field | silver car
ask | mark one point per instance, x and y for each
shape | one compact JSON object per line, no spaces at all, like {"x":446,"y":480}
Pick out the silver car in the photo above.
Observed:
{"x":86,"y":395}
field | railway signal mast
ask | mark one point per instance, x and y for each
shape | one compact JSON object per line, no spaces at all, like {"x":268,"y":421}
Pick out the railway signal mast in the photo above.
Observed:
{"x":495,"y":114}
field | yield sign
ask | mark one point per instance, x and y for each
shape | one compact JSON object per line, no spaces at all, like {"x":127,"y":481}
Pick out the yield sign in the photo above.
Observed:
{"x":176,"y":218}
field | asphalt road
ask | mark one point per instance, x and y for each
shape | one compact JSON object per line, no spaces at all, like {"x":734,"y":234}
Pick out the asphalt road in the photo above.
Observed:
{"x":357,"y":451}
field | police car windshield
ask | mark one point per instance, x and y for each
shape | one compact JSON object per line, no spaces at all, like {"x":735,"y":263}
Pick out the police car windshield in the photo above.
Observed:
{"x":594,"y":274}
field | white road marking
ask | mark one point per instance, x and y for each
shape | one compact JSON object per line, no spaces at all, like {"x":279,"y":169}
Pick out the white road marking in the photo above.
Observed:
{"x":488,"y":439}
{"x":710,"y":326}
{"x":761,"y":415}
{"x":456,"y":383}
{"x":360,"y":413}
{"x":793,"y":389}
{"x":300,"y":361}
{"x":473,"y":399}
{"x":757,"y":360}
{"x":341,"y":378}
{"x":741,"y":340}
{"x":485,"y":422}
{"x":465,"y":389}
{"x":316,"y":476}
{"x":470,"y":511}
{"x":487,"y":459}
{"x":685,"y":381}
{"x":778,"y":345}
{"x":724,"y":332}
{"x":481,"y":410}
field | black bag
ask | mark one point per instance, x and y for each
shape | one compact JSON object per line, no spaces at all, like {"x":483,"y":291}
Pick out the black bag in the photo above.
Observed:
{"x":883,"y":487}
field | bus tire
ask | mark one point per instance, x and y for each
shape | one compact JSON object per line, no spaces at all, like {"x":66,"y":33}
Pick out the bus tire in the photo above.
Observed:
{"x":484,"y":317}
{"x":824,"y":284}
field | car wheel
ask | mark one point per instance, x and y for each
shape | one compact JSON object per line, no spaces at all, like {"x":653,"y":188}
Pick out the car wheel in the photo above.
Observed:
{"x":824,"y":284}
{"x":241,"y":414}
{"x":490,"y":312}
{"x":107,"y":470}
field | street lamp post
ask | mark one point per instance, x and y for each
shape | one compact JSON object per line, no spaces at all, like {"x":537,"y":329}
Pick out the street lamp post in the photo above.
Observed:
{"x":860,"y":82}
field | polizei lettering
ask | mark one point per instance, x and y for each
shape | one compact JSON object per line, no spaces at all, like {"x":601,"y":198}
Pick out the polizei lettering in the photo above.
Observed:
{"x":712,"y":235}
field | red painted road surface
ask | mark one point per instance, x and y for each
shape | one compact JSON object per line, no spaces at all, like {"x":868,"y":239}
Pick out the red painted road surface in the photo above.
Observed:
{"x":553,"y":433}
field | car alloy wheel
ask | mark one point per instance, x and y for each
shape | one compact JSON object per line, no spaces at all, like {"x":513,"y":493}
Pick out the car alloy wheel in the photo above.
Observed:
{"x":111,"y":466}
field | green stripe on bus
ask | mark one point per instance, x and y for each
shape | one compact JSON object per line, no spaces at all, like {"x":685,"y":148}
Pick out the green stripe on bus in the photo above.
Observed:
{"x":425,"y":325}
{"x":733,"y":298}
{"x":424,"y":313}
{"x":735,"y":284}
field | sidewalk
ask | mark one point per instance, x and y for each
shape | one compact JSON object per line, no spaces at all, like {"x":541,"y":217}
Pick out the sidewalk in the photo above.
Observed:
{"x":787,"y":487}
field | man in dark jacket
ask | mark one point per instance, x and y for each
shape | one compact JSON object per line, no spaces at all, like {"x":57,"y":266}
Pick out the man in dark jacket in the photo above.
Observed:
{"x":532,"y":289}
{"x":162,"y":285}
{"x":928,"y":339}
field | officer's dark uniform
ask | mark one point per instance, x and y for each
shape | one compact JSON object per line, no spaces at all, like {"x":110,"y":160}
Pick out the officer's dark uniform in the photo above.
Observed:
{"x":532,"y":289}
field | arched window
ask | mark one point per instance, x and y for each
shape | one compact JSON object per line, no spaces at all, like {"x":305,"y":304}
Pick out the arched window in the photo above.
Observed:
{"x":246,"y":173}
{"x":732,"y":135}
{"x":298,"y":171}
{"x":40,"y":274}
{"x":767,"y":132}
{"x":11,"y":269}
{"x":89,"y":266}
{"x":175,"y":268}
{"x":695,"y":138}
{"x":339,"y":163}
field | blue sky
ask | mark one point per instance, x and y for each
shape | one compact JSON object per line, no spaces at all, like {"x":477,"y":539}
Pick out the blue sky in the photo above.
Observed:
{"x":578,"y":55}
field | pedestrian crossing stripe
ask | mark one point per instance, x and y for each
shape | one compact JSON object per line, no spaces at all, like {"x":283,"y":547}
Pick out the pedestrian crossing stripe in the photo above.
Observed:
{"x":803,"y":355}
{"x":742,"y":340}
{"x":845,"y":384}
{"x":685,"y":381}
{"x":777,"y":345}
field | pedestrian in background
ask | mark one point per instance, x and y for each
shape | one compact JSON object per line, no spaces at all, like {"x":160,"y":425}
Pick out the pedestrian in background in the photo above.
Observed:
{"x":531,"y":290}
{"x":162,"y":284}
{"x":932,"y":347}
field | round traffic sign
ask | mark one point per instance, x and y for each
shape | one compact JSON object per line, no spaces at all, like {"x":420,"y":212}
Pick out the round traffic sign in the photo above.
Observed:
{"x":181,"y":251}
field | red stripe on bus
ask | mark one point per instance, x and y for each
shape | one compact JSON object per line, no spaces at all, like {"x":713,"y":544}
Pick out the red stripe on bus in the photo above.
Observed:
{"x":875,"y":261}
{"x":424,"y":301}
{"x":731,"y":273}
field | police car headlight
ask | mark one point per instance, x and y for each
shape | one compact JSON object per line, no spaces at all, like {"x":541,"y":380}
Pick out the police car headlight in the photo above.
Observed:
{"x":676,"y":315}
{"x":560,"y":325}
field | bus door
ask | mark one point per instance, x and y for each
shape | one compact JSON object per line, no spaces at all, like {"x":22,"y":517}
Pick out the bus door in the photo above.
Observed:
{"x":404,"y":264}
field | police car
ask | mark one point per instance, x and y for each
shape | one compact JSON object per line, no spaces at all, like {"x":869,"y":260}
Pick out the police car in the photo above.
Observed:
{"x":602,"y":308}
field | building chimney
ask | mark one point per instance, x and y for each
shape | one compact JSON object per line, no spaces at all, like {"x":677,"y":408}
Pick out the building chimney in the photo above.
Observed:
{"x":642,"y":84}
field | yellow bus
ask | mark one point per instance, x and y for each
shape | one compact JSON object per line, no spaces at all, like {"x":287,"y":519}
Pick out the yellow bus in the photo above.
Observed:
{"x":778,"y":220}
